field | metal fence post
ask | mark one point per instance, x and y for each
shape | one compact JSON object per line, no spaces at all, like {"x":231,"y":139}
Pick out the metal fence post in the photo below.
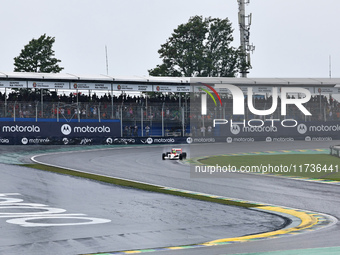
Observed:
{"x":58,"y":112}
{"x":36,"y":111}
{"x":162,"y":120}
{"x":14,"y":110}
{"x":99,"y":118}
{"x":183,"y":125}
{"x":142,"y":118}
{"x":42,"y":103}
{"x":121,"y":121}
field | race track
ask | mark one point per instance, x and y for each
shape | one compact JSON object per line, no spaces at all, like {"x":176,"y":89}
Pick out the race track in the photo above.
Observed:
{"x":145,"y":165}
{"x":112,"y":217}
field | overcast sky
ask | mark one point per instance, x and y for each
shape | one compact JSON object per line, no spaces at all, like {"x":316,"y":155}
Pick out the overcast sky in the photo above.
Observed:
{"x":293,"y":38}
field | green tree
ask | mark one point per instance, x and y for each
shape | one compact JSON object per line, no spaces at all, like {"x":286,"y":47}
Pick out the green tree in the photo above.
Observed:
{"x":201,"y":47}
{"x":38,"y":56}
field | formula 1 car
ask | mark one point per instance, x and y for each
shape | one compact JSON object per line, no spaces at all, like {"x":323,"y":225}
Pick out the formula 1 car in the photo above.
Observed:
{"x":176,"y":153}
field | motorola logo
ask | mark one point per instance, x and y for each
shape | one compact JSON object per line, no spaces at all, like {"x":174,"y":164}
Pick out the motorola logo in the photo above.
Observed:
{"x":302,"y":128}
{"x":269,"y":139}
{"x":66,"y":129}
{"x":235,"y":129}
{"x":229,"y":140}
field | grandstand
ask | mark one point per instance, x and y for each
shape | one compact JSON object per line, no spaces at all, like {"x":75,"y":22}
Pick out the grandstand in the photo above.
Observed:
{"x":146,"y":106}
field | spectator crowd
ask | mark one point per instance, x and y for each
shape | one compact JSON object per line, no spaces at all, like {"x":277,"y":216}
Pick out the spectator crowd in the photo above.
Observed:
{"x":149,"y":107}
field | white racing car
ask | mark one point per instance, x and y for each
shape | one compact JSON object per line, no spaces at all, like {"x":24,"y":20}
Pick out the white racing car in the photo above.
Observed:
{"x":176,"y":153}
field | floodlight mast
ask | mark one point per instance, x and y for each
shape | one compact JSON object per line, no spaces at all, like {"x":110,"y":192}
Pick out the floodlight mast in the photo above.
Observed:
{"x":244,"y":22}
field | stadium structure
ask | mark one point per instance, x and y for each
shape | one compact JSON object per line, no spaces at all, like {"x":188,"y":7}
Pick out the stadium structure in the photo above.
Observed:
{"x":44,"y":108}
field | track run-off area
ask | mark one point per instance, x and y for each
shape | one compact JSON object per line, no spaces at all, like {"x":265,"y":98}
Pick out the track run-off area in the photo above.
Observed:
{"x":233,"y":214}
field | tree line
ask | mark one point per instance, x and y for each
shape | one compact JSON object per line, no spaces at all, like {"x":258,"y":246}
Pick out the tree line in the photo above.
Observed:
{"x":202,"y":47}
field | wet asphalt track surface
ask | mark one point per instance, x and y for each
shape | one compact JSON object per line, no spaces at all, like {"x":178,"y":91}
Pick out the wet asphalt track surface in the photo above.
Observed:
{"x":173,"y":222}
{"x":138,"y":219}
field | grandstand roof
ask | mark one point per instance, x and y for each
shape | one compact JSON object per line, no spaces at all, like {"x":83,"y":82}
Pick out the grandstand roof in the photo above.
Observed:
{"x":96,"y":78}
{"x":62,"y":77}
{"x":331,"y":82}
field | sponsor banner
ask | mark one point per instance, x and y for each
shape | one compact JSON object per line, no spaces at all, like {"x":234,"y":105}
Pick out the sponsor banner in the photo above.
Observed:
{"x":268,"y":139}
{"x":13,"y":84}
{"x":94,"y":86}
{"x":116,"y":141}
{"x":168,"y":88}
{"x":191,"y":140}
{"x":48,"y":85}
{"x":244,"y":90}
{"x":88,"y":129}
{"x":240,"y":139}
{"x":162,"y":88}
{"x":4,"y":141}
{"x":221,"y":139}
{"x":327,"y":90}
{"x":121,"y":140}
{"x":25,"y":141}
{"x":4,"y":84}
{"x":30,"y":133}
{"x":144,"y":140}
{"x":183,"y":89}
{"x":162,"y":140}
{"x":54,"y":132}
{"x":256,"y":89}
{"x":79,"y":141}
{"x":278,"y":131}
{"x":132,"y":87}
{"x":60,"y":141}
{"x":268,"y":90}
{"x":263,"y":89}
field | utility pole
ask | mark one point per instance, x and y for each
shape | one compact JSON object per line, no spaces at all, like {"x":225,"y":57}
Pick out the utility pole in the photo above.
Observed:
{"x":244,"y":23}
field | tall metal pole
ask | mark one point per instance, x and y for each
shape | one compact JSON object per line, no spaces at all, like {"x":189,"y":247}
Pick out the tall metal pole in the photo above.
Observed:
{"x":244,"y":23}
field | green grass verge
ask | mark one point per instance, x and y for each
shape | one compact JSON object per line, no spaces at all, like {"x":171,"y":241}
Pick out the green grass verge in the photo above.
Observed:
{"x":319,"y":166}
{"x":137,"y":185}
